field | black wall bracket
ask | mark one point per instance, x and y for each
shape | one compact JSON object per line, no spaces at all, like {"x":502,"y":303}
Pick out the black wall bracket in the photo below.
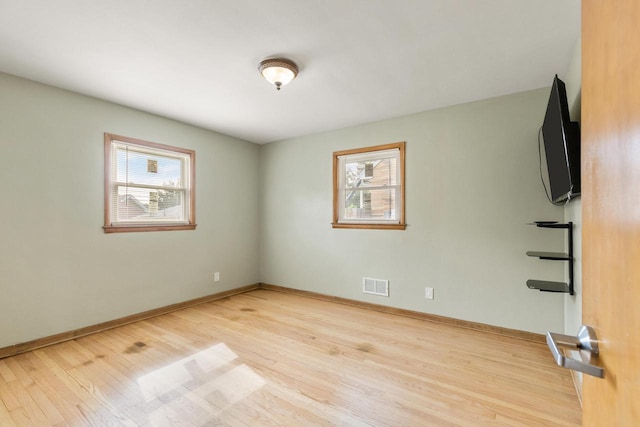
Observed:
{"x":546,"y":286}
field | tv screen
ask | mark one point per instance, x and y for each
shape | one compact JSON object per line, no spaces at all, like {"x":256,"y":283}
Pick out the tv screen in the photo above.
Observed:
{"x":561,"y":146}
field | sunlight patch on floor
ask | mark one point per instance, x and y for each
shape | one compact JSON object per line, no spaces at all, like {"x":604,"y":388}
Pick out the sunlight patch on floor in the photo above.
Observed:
{"x":204,"y":382}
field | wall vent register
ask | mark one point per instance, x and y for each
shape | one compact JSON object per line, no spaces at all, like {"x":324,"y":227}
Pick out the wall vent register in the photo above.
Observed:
{"x":375,"y":286}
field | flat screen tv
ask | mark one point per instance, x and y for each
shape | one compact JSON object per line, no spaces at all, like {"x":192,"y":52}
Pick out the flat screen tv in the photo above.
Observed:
{"x":561,"y":147}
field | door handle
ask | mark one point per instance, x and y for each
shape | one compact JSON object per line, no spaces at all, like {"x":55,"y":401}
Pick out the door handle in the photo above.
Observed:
{"x":586,"y":342}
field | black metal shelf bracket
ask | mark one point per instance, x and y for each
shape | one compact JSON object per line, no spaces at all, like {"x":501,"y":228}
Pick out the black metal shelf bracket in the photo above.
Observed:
{"x":546,"y":286}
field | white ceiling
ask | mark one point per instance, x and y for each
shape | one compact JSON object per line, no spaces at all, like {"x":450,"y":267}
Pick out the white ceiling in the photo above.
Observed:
{"x":360,"y":60}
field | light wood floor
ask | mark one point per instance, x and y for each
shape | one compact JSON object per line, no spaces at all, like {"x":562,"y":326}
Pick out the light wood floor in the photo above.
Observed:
{"x":268,"y":358}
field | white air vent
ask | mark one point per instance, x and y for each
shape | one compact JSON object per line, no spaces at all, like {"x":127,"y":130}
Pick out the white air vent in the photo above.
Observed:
{"x":375,"y":286}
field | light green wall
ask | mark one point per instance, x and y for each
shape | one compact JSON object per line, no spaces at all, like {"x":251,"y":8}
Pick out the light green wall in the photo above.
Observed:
{"x":472,"y":185}
{"x":58,"y":270}
{"x":573,"y":210}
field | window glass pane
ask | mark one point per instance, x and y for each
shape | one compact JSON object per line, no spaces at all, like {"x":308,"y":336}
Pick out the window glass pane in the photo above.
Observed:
{"x":371,"y":173}
{"x":370,"y":204}
{"x":150,"y":169}
{"x":144,"y":204}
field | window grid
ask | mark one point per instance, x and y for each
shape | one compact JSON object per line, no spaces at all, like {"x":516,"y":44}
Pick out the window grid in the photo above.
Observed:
{"x":369,"y":187}
{"x":148,"y":186}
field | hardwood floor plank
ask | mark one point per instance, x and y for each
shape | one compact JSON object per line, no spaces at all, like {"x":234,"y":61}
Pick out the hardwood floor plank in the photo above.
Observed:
{"x":271,"y":358}
{"x":20,"y":418}
{"x":63,"y":400}
{"x":50,"y":411}
{"x":28,"y":407}
{"x":7,"y":397}
{"x":5,"y":372}
{"x":5,"y":415}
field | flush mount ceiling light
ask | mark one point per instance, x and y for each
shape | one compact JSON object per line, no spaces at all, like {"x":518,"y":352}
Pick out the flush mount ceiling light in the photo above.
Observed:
{"x":278,"y":71}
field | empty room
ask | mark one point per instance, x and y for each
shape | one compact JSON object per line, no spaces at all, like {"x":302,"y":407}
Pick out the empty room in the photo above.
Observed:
{"x":296,"y":213}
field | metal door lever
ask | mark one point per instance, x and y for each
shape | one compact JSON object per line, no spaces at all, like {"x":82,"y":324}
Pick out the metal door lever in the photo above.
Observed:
{"x":585,"y":342}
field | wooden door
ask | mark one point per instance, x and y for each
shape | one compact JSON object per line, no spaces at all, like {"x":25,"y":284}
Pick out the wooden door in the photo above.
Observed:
{"x":611,"y":206}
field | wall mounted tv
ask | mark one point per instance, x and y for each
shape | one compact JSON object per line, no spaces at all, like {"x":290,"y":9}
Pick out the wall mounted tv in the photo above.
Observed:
{"x":561,"y":147}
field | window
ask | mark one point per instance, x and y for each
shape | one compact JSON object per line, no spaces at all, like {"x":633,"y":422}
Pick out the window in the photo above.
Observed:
{"x":368,"y":187}
{"x":147,"y":186}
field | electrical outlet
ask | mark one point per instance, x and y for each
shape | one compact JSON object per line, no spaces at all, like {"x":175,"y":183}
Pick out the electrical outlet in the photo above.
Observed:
{"x":428,"y":293}
{"x":216,"y":276}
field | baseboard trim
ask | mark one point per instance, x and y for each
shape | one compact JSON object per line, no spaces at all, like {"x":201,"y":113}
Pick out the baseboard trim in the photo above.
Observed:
{"x":88,"y":330}
{"x":498,"y":330}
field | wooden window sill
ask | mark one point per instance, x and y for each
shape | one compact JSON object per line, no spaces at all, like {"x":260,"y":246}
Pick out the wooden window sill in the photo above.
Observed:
{"x":370,"y":226}
{"x":138,"y":228}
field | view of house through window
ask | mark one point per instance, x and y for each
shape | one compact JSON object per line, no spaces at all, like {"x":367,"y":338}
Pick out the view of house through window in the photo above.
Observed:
{"x":369,"y":187}
{"x":148,"y":186}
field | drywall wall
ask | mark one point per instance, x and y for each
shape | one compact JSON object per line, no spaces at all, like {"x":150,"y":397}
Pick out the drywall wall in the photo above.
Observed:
{"x":472,"y":185}
{"x":58,"y":270}
{"x":573,"y":209}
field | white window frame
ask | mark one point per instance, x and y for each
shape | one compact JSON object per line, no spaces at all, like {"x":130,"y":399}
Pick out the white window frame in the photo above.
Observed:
{"x":375,"y":153}
{"x":187,"y":159}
